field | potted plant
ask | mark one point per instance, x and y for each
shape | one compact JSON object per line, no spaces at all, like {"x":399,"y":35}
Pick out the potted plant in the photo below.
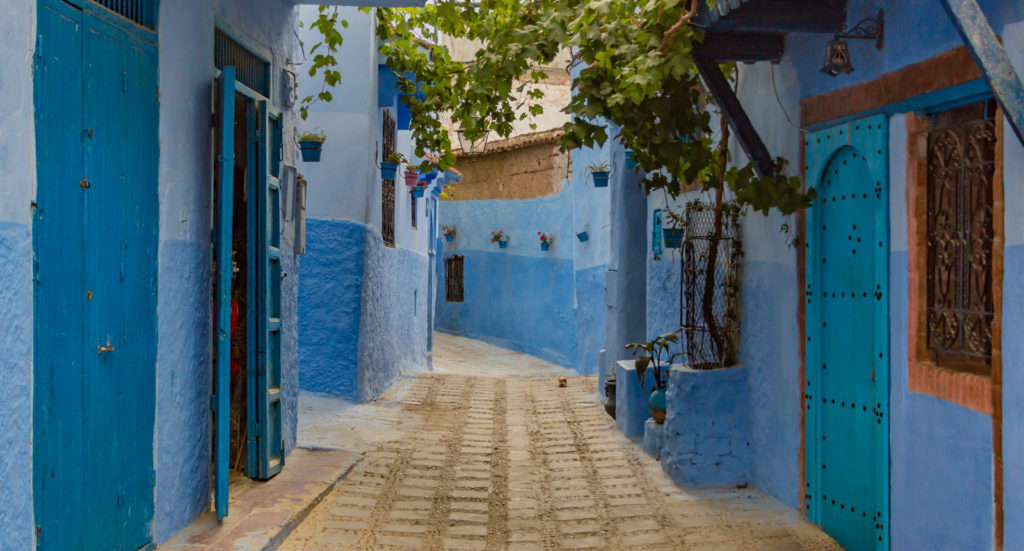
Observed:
{"x":449,"y":232}
{"x":609,"y":392}
{"x":311,"y":143}
{"x":411,"y":177}
{"x":673,"y":235}
{"x":600,"y":173}
{"x":652,"y":361}
{"x":499,"y":238}
{"x":582,"y":236}
{"x":389,"y":166}
{"x":545,"y":241}
{"x":418,"y":191}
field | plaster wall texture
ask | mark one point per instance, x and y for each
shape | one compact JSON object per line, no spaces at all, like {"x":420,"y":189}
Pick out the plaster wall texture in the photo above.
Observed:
{"x":654,"y":438}
{"x":632,"y":401}
{"x":17,"y":190}
{"x":707,"y":428}
{"x":531,"y":171}
{"x":186,"y":71}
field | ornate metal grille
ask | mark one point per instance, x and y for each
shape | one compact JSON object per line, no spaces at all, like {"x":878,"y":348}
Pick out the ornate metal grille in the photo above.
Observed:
{"x":453,"y":278}
{"x":412,"y":209}
{"x":142,"y":12}
{"x":250,"y":69}
{"x":961,"y":165}
{"x":387,"y":208}
{"x":706,"y":347}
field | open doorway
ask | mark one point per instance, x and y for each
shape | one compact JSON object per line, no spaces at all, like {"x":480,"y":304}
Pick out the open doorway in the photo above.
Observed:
{"x":244,"y":152}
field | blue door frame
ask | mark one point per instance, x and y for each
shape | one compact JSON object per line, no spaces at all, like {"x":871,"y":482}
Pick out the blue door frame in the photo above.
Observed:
{"x":95,"y":274}
{"x":847,"y":348}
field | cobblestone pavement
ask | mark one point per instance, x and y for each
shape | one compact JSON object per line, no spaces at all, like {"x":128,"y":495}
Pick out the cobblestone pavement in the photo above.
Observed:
{"x":521,"y":464}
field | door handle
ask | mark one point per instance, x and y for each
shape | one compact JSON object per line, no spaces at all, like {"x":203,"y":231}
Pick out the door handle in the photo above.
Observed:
{"x":108,"y":348}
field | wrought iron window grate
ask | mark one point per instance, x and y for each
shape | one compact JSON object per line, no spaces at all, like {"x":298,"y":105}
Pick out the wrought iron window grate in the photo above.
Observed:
{"x":961,"y":167}
{"x":388,"y":132}
{"x":250,"y":69}
{"x":454,"y":278}
{"x":412,"y":208}
{"x":710,"y":321}
{"x":142,"y":12}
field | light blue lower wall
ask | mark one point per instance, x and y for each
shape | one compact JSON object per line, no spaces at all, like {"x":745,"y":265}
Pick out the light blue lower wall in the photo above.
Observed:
{"x":1013,"y":395}
{"x":941,"y":454}
{"x":769,"y":349}
{"x":590,"y":318}
{"x":16,"y":390}
{"x":362,"y":311}
{"x":330,"y":307}
{"x":523,"y":303}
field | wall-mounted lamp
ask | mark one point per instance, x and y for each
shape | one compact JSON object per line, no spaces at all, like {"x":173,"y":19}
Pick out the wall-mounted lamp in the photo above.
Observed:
{"x":471,"y":147}
{"x":837,"y":54}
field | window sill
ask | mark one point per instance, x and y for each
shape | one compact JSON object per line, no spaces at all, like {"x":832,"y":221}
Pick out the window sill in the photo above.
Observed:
{"x":969,"y":390}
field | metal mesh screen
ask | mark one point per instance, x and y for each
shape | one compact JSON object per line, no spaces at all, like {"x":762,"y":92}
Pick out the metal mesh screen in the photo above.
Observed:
{"x":250,"y":69}
{"x":453,"y":270}
{"x":142,"y":12}
{"x":710,"y":320}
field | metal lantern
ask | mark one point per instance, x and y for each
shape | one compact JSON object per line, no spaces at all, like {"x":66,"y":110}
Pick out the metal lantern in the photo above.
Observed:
{"x":837,"y":54}
{"x":471,"y":147}
{"x":837,"y":58}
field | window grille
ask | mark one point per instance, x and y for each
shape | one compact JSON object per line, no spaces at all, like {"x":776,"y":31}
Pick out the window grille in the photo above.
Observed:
{"x":142,"y":12}
{"x":961,"y":167}
{"x":250,"y":69}
{"x":387,"y":207}
{"x":453,"y":272}
{"x":413,"y":209}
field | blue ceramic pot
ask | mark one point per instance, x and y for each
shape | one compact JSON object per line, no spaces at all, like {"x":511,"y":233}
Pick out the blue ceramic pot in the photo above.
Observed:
{"x":418,"y":191}
{"x":545,"y":246}
{"x":502,"y":244}
{"x":630,"y":164}
{"x":673,"y":237}
{"x":600,"y":179}
{"x":388,"y":171}
{"x":449,"y":237}
{"x":311,"y":151}
{"x":658,"y":405}
{"x":582,"y":236}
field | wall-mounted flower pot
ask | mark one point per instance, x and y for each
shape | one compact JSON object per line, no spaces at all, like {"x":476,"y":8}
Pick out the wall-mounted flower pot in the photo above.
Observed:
{"x":658,"y":405}
{"x":600,"y":179}
{"x":418,"y":191}
{"x":673,"y":237}
{"x":388,"y":171}
{"x":630,"y":163}
{"x":449,"y":237}
{"x":545,"y":246}
{"x":582,"y":236}
{"x":311,"y":151}
{"x":411,"y":177}
{"x":502,"y":244}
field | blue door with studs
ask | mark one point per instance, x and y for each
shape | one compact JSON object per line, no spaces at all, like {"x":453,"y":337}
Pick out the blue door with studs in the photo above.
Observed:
{"x":847,"y":349}
{"x":95,"y":274}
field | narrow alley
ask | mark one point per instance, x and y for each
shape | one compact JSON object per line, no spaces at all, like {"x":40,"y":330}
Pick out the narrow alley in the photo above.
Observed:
{"x":493,"y":461}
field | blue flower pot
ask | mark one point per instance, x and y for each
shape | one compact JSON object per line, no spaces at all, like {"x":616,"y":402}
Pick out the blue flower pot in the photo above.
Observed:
{"x":388,"y":171}
{"x":600,"y":179}
{"x":502,"y":244}
{"x":311,"y":151}
{"x":658,"y":405}
{"x":673,"y":237}
{"x":449,"y":237}
{"x":545,"y":246}
{"x":418,"y":191}
{"x":630,"y":163}
{"x":582,"y":236}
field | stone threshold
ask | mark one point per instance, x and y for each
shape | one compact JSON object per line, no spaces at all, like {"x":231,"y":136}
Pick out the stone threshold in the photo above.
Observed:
{"x":262,"y":514}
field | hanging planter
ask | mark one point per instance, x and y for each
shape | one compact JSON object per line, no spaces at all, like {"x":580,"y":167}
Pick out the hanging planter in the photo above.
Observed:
{"x":449,"y":232}
{"x":582,"y":236}
{"x":673,"y":237}
{"x":418,"y":191}
{"x":411,"y":177}
{"x":499,"y":238}
{"x":389,"y":166}
{"x":545,"y":241}
{"x":311,"y":144}
{"x":630,"y":163}
{"x":600,"y":173}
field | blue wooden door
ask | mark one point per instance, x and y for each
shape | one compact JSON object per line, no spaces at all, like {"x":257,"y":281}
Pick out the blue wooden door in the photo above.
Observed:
{"x":265,"y":444}
{"x":847,"y":375}
{"x":95,"y":240}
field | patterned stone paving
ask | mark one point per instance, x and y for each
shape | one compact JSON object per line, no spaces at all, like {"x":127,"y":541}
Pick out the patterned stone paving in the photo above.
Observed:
{"x":521,"y":464}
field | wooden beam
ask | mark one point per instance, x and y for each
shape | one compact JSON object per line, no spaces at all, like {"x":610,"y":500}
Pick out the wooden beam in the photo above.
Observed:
{"x":744,"y":46}
{"x":733,"y":112}
{"x":783,"y":16}
{"x":989,"y":54}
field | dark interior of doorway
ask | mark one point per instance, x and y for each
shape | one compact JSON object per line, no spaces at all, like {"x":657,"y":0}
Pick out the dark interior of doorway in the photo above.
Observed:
{"x":239,"y":286}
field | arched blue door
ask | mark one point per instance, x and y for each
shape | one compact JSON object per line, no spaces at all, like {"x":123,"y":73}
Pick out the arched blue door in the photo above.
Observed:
{"x":847,"y":370}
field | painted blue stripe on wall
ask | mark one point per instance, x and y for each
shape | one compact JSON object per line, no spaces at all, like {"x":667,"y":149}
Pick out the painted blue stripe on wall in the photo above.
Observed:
{"x":1013,"y":394}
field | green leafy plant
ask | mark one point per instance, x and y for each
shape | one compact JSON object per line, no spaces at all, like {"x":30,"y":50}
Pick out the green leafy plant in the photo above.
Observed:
{"x":315,"y":135}
{"x":599,"y":167}
{"x":396,"y":158}
{"x":498,"y":236}
{"x":654,"y":358}
{"x":545,"y":238}
{"x":448,"y":230}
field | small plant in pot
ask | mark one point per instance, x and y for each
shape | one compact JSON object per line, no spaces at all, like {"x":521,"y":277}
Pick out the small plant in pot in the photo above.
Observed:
{"x":652,"y":362}
{"x":389,"y":166}
{"x":500,"y":238}
{"x":411,"y":177}
{"x":449,"y":232}
{"x":609,"y":392}
{"x":311,"y":144}
{"x":545,"y":241}
{"x":600,"y":174}
{"x":673,"y":235}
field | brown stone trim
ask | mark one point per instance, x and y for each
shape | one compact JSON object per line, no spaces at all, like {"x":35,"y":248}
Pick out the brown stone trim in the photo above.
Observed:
{"x":519,"y":142}
{"x":923,"y":375}
{"x":950,"y":68}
